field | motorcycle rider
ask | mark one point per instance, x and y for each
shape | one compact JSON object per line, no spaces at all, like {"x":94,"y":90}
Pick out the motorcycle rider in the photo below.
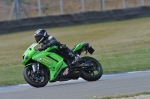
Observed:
{"x":42,"y":37}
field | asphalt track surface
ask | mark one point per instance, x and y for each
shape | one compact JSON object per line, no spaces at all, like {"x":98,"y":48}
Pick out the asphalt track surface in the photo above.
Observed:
{"x":108,"y":85}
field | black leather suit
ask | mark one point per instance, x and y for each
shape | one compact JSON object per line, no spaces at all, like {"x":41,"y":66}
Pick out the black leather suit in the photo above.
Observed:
{"x":50,"y":41}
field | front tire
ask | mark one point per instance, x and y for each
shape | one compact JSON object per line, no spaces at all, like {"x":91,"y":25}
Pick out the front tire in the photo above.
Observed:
{"x":95,"y":73}
{"x":35,"y":79}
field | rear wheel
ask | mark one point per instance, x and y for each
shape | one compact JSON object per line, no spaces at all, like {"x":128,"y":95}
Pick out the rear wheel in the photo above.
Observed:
{"x":92,"y":69}
{"x":39,"y":79}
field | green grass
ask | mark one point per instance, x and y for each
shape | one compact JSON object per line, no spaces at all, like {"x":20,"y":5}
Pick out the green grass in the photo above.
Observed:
{"x":126,"y":61}
{"x":119,"y":46}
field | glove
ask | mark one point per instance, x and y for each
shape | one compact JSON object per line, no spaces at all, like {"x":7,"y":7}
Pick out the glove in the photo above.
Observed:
{"x":40,"y":49}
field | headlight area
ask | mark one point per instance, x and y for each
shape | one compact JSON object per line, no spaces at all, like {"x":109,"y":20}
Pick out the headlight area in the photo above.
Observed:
{"x":25,"y":57}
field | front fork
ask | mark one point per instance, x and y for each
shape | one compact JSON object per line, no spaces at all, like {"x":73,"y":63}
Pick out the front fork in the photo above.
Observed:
{"x":35,"y":67}
{"x":37,"y":74}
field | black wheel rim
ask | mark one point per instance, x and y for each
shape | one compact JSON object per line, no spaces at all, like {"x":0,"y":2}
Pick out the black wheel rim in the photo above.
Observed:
{"x":36,"y":77}
{"x":92,"y":70}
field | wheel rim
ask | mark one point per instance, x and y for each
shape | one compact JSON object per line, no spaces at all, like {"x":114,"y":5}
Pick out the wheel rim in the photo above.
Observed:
{"x":36,"y":77}
{"x":95,"y":69}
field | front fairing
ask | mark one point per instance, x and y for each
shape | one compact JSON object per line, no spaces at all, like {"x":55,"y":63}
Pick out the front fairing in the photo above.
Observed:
{"x":52,"y":61}
{"x":28,"y":53}
{"x":31,"y":47}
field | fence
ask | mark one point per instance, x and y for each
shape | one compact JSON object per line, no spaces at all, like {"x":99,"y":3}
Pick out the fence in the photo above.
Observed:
{"x":17,"y":9}
{"x":72,"y":19}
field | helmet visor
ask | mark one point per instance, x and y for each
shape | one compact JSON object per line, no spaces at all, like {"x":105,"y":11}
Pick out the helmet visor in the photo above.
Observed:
{"x":38,"y":38}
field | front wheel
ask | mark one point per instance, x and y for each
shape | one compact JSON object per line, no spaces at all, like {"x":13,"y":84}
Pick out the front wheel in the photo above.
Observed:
{"x":35,"y":79}
{"x":92,"y":69}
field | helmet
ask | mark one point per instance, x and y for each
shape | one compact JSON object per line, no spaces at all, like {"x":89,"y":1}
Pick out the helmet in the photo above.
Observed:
{"x":40,"y":35}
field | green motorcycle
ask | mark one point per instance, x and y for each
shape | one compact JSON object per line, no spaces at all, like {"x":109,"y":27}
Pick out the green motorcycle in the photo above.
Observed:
{"x":49,"y":65}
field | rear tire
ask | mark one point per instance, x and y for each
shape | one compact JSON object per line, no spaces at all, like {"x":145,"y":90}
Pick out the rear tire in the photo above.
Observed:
{"x":35,"y":79}
{"x":92,"y":75}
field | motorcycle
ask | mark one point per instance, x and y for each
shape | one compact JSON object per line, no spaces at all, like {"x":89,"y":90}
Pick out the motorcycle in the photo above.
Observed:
{"x":48,"y":65}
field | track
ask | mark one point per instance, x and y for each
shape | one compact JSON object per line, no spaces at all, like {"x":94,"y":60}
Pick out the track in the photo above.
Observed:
{"x":108,"y":85}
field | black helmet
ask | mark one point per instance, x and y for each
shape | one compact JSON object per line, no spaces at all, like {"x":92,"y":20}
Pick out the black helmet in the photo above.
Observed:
{"x":40,"y":35}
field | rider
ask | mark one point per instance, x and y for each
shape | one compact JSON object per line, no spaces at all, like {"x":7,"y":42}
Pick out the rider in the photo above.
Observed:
{"x":41,"y":36}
